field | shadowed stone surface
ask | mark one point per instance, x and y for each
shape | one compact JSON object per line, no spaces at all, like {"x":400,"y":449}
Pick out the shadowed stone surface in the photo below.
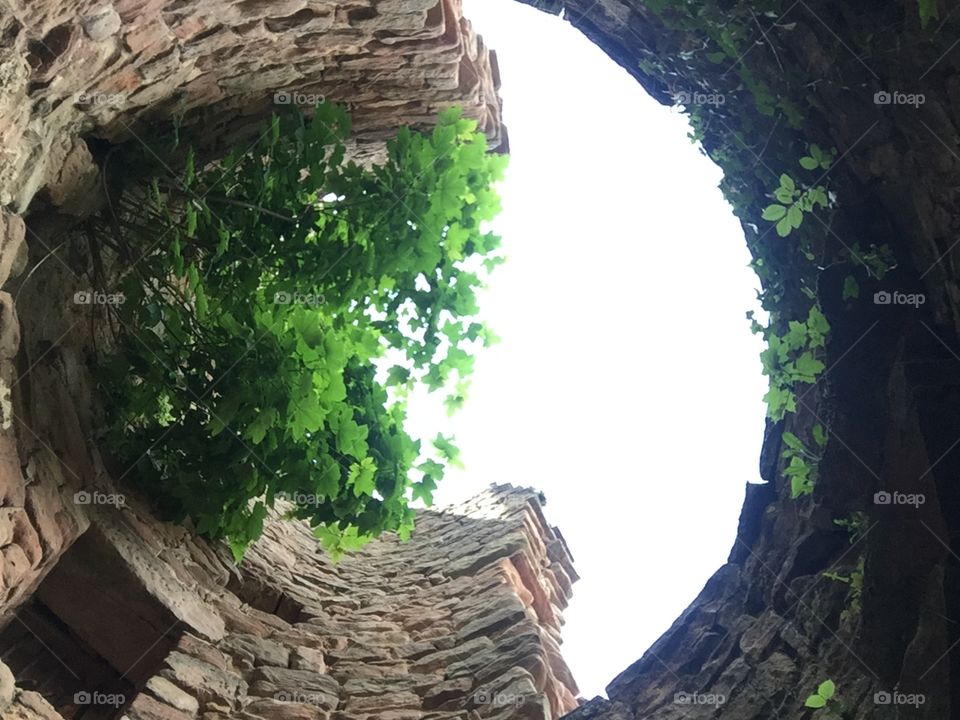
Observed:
{"x":769,"y":626}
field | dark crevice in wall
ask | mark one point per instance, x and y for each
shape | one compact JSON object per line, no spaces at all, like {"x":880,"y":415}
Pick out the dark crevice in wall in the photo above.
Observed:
{"x":91,"y":636}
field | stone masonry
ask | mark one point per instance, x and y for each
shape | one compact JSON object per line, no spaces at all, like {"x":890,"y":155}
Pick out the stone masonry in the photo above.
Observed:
{"x":78,"y":75}
{"x":461,"y":622}
{"x":110,"y":68}
{"x":108,"y":612}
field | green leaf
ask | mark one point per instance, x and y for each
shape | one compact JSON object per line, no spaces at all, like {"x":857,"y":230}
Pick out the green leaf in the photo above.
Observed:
{"x":397,"y":375}
{"x":800,"y":486}
{"x":784,"y":227}
{"x":223,"y":240}
{"x":779,"y":401}
{"x":189,"y":171}
{"x":424,"y":490}
{"x":449,"y":451}
{"x":191,"y":215}
{"x":796,"y":336}
{"x":815,"y":701}
{"x":362,"y":477}
{"x":784,"y":196}
{"x":329,"y":537}
{"x":793,"y":442}
{"x":257,"y":430}
{"x":794,"y":215}
{"x":774,"y":212}
{"x":200,"y":299}
{"x":826,"y":689}
{"x":787,"y":183}
{"x":808,"y":367}
{"x":929,"y":10}
{"x":193,"y":277}
{"x":819,"y":435}
{"x":809,"y":163}
{"x":455,"y":241}
{"x":797,"y":467}
{"x":327,"y":477}
{"x":351,"y":439}
{"x":851,"y":288}
{"x":224,"y":413}
{"x":817,"y":324}
{"x":238,"y":548}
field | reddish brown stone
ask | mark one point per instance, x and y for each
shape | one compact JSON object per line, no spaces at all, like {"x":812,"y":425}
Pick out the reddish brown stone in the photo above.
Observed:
{"x":43,"y":504}
{"x":17,"y":525}
{"x":145,"y":707}
{"x":16,"y":566}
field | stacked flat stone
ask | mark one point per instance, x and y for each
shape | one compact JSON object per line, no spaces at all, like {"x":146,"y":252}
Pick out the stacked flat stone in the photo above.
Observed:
{"x":110,"y":68}
{"x":463,"y":621}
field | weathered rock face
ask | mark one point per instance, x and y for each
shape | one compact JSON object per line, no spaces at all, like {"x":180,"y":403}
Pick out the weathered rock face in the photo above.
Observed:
{"x":108,"y":68}
{"x":769,"y":626}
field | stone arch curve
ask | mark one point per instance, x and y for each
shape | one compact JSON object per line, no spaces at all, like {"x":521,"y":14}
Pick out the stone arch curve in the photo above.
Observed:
{"x":767,"y":627}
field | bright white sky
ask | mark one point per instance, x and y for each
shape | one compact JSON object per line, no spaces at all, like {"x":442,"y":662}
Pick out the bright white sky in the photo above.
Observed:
{"x":627,"y":385}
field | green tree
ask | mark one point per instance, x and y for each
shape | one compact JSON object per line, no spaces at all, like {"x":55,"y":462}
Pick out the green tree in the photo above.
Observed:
{"x":276,"y":284}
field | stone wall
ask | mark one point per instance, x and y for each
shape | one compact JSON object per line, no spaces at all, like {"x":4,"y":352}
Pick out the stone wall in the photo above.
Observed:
{"x":770,"y":625}
{"x":461,"y":622}
{"x":111,"y":68}
{"x":107,"y":611}
{"x":79,"y":76}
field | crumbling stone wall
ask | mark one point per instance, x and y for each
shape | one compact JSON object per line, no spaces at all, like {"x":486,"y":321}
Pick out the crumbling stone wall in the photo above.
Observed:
{"x":769,"y":626}
{"x":461,"y":622}
{"x":75,"y":74}
{"x":108,"y":68}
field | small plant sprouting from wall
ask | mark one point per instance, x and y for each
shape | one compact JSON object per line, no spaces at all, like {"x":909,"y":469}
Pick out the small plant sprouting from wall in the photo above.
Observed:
{"x":823,"y":698}
{"x":856,"y":526}
{"x":855,"y":581}
{"x":272,"y":284}
{"x":792,"y":359}
{"x":795,"y":199}
{"x":802,"y":462}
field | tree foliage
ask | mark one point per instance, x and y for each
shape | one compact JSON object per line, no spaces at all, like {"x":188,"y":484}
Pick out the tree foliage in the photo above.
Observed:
{"x":275,"y":286}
